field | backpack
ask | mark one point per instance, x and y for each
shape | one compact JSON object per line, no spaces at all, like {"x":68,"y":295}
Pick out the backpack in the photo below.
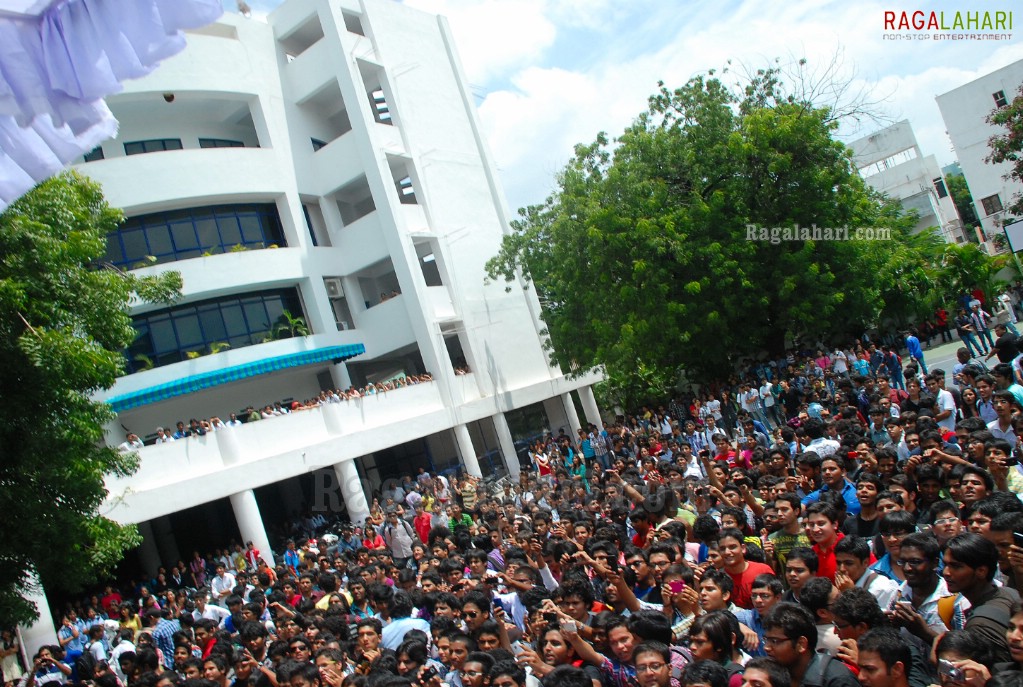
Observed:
{"x":85,"y":666}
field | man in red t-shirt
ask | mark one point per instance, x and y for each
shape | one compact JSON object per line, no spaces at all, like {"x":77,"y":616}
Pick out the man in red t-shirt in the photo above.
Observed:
{"x":732,"y":548}
{"x":822,"y":528}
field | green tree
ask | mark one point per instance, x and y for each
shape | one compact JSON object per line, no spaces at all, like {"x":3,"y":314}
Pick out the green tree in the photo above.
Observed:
{"x":64,"y":324}
{"x":960,"y":192}
{"x":1007,"y":146}
{"x":642,"y":259}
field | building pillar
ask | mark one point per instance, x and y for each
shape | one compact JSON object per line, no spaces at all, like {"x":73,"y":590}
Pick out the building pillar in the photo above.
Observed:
{"x":504,"y":438}
{"x":467,"y":451}
{"x":352,"y":491}
{"x":149,"y":554}
{"x":166,"y":542}
{"x":573,"y":416}
{"x":590,"y":407}
{"x":250,"y":523}
{"x":40,"y":633}
{"x":339,"y":373}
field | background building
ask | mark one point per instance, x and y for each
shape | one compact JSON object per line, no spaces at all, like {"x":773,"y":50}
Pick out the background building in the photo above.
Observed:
{"x":890,"y":161}
{"x":965,"y":110}
{"x":322,"y":184}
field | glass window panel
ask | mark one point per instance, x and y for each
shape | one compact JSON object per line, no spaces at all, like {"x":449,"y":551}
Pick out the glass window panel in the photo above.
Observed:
{"x":252,"y":232}
{"x":160,"y":240}
{"x":209,"y":237}
{"x":255,"y":314}
{"x":230,"y":231}
{"x":162,"y":332}
{"x":114,"y":254}
{"x":234,"y":320}
{"x":184,"y":236}
{"x":212,"y":324}
{"x":134,"y":245}
{"x":275,"y":310}
{"x":189,"y":333}
{"x":133,"y":148}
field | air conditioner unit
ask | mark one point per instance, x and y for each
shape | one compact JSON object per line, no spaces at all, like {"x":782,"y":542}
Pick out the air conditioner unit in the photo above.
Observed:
{"x":334,"y":289}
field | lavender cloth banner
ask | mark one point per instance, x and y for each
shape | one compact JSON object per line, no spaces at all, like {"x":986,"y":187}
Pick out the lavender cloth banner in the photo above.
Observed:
{"x":56,"y":68}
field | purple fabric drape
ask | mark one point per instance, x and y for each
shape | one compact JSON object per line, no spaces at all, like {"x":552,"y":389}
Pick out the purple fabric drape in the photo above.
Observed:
{"x":55,"y":70}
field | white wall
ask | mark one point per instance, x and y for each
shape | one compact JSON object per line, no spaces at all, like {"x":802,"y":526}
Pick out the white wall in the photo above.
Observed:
{"x":964,"y":110}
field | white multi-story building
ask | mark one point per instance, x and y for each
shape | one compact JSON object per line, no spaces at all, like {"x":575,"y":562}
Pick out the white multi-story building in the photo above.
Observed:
{"x":965,"y":110}
{"x":891,"y":162}
{"x":326,"y":165}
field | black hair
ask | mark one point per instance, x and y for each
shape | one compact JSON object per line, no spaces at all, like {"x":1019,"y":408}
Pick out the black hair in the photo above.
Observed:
{"x":807,"y":555}
{"x":708,"y":673}
{"x":856,"y":606}
{"x":816,"y":595}
{"x":974,"y":551}
{"x":794,"y":621}
{"x":889,"y":645}
{"x":718,"y":627}
{"x":777,"y":674}
{"x":855,"y":546}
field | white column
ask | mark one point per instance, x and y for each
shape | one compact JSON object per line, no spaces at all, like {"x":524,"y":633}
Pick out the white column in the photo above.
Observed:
{"x":504,"y":438}
{"x":40,"y":633}
{"x":339,"y":373}
{"x":351,"y":488}
{"x":467,"y":451}
{"x":250,"y":523}
{"x":148,"y":552}
{"x":573,"y":417}
{"x":590,"y":406}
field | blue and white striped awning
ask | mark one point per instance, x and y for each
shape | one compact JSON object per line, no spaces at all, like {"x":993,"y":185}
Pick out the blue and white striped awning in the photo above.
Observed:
{"x":206,"y":380}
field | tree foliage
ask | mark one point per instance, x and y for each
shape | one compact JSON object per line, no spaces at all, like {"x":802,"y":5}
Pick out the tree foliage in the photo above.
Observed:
{"x":1007,"y":146}
{"x":641,"y":258}
{"x":64,"y":324}
{"x":963,"y":199}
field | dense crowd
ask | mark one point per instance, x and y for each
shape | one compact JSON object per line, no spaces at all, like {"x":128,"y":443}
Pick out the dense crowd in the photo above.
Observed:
{"x":809,"y":522}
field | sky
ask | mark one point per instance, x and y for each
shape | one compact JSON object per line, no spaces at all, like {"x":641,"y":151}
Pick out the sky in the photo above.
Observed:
{"x":549,"y":74}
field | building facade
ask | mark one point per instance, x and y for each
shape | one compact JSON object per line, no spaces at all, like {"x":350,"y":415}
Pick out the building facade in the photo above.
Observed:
{"x":965,"y":110}
{"x":322,"y":184}
{"x":890,"y":160}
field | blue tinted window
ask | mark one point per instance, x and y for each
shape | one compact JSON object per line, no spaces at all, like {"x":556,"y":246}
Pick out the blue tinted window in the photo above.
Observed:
{"x":182,"y":234}
{"x":167,"y":336}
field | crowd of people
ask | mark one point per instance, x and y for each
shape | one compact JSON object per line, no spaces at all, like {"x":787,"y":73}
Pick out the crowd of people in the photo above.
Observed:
{"x":202,"y":427}
{"x":834,"y":529}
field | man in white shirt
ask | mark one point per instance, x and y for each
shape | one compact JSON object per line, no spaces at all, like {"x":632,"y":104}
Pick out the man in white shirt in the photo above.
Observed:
{"x":946,"y":405}
{"x":133,"y":443}
{"x":852,"y":560}
{"x":840,"y":362}
{"x":234,"y":421}
{"x":770,"y":406}
{"x":222,"y":584}
{"x":204,"y":610}
{"x":163,"y":436}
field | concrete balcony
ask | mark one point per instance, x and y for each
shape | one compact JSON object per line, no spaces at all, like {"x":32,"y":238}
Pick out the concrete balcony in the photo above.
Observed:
{"x":362,"y":243}
{"x":307,"y":74}
{"x":192,"y":471}
{"x":385,"y":327}
{"x":153,"y":181}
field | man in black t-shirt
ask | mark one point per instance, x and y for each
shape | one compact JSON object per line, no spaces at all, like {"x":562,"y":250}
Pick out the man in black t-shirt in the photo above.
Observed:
{"x":1006,"y":345}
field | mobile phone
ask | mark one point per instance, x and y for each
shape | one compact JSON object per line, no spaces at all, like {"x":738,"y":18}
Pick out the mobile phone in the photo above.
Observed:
{"x":570,"y":626}
{"x":517,"y":648}
{"x":550,"y":617}
{"x":792,"y":472}
{"x":676,"y":586}
{"x":428,"y":674}
{"x":1017,"y":539}
{"x":946,"y":669}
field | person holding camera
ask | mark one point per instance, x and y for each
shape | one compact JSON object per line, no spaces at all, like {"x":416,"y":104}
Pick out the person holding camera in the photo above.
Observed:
{"x":47,"y":668}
